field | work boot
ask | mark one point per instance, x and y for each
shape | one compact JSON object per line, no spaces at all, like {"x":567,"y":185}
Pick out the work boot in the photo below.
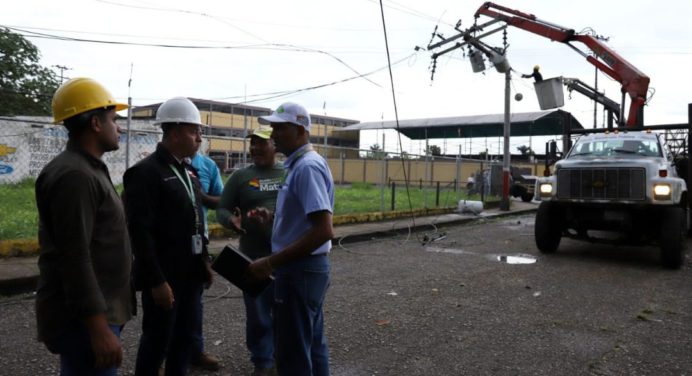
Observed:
{"x":264,"y":371}
{"x":206,"y":361}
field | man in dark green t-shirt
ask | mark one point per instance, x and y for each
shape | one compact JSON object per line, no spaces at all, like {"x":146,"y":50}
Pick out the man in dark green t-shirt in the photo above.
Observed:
{"x":252,"y":187}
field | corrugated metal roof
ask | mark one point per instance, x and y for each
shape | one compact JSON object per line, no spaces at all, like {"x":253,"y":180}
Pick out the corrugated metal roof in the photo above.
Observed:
{"x":543,"y":123}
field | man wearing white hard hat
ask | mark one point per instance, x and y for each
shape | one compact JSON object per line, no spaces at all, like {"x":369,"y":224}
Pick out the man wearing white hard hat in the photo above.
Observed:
{"x":171,"y":263}
{"x":301,"y":240}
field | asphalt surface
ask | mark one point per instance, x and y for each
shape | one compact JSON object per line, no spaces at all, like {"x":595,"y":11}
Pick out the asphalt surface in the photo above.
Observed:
{"x":456,"y":305}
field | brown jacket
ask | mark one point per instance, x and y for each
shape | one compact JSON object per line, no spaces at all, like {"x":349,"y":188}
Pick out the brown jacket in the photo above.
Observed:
{"x":85,"y":260}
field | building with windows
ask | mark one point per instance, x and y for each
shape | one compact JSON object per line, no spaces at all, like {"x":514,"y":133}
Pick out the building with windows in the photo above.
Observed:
{"x":228,"y":123}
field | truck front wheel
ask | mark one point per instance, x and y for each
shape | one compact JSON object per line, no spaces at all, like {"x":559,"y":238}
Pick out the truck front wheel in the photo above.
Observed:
{"x":673,"y":237}
{"x":548,"y":227}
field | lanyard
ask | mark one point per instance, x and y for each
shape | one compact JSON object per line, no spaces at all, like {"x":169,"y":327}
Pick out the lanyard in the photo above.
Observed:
{"x":188,"y":186}
{"x":190,"y":192}
{"x":295,"y":159}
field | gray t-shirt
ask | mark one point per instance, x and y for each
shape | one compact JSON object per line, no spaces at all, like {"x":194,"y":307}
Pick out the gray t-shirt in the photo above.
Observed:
{"x":250,"y":188}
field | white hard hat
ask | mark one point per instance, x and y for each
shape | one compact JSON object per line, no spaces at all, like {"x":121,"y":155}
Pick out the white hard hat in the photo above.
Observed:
{"x":178,"y":110}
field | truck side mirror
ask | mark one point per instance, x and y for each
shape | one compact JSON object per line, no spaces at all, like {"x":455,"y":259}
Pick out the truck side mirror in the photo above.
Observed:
{"x":552,"y":146}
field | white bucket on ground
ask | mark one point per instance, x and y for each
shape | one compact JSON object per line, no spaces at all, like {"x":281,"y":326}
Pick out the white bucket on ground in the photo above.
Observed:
{"x":468,"y":206}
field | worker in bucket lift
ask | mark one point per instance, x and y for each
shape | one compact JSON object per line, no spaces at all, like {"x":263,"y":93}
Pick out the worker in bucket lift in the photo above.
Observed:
{"x":537,"y":77}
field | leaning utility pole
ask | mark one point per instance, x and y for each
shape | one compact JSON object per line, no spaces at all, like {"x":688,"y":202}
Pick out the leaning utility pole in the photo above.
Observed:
{"x":477,"y":50}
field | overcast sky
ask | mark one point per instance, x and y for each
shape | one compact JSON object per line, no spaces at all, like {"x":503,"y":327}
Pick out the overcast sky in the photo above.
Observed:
{"x":282,"y":46}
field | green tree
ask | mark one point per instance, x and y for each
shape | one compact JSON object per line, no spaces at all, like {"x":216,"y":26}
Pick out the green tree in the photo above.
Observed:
{"x":376,"y":152}
{"x":26,"y":87}
{"x":434,"y":150}
{"x":525,"y":150}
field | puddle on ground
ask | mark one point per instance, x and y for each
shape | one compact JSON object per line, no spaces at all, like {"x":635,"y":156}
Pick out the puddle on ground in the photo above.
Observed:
{"x":515,"y":259}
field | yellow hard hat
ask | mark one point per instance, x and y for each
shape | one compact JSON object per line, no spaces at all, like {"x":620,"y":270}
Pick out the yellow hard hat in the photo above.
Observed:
{"x":536,"y":67}
{"x":80,"y":95}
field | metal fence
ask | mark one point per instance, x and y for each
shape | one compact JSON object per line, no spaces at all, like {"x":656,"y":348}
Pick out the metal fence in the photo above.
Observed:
{"x":28,"y":144}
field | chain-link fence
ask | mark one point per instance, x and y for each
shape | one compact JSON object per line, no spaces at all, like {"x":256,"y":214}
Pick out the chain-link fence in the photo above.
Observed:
{"x":367,"y":180}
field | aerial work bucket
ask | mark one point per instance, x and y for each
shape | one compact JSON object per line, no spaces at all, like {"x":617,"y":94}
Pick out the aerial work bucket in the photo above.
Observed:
{"x":549,"y":93}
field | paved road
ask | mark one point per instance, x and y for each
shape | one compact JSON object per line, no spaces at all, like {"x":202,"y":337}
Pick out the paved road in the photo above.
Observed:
{"x":455,"y":306}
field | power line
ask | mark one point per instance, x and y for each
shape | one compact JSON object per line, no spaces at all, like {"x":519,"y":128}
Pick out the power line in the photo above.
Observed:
{"x":176,"y":10}
{"x":296,"y":26}
{"x":410,"y":11}
{"x":279,"y":94}
{"x":265,"y":46}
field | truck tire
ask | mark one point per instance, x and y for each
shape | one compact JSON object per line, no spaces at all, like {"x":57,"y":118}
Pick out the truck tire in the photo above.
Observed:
{"x":673,"y":237}
{"x":527,"y":197}
{"x":548,"y":227}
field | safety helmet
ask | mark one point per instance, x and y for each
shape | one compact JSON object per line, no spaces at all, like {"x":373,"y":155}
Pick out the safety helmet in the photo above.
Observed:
{"x":80,"y":95}
{"x":178,"y":110}
{"x":536,"y":67}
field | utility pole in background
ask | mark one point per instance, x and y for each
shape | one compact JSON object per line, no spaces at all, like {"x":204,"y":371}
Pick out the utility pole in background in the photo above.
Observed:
{"x":129,"y":118}
{"x":62,"y":69}
{"x":595,"y":103}
{"x":245,"y":127}
{"x":324,"y":110}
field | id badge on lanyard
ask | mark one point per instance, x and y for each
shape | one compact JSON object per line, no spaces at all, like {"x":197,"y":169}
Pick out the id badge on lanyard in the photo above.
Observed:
{"x":197,"y":244}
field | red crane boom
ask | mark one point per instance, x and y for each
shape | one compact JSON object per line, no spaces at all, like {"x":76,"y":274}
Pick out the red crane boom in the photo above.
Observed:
{"x":634,"y":82}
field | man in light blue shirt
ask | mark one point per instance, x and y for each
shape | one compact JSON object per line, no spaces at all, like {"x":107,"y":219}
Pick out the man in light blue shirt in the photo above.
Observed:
{"x":301,"y":239}
{"x":211,"y":189}
{"x":212,"y":186}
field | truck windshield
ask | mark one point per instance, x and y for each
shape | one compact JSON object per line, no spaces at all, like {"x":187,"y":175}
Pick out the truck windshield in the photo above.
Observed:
{"x":616,"y":147}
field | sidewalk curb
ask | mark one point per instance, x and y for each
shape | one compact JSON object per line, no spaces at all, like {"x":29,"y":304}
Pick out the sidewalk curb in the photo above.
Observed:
{"x":19,"y":248}
{"x":216,"y":231}
{"x":27,"y":283}
{"x":355,"y":238}
{"x":30,"y":247}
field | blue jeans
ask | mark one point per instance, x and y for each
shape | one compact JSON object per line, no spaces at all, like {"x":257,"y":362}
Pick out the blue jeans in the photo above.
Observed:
{"x":300,"y":289}
{"x":167,"y":334}
{"x":76,"y":355}
{"x":259,"y":334}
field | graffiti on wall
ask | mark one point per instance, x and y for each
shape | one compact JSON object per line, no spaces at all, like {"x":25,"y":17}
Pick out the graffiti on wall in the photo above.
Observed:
{"x":24,"y":151}
{"x":6,"y":157}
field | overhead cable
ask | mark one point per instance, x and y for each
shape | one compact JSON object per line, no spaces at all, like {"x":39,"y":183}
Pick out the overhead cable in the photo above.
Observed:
{"x":265,"y":46}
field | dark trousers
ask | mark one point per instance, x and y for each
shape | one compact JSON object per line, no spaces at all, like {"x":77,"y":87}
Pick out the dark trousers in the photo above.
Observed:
{"x":167,"y":334}
{"x":300,"y":289}
{"x":76,"y":355}
{"x":259,"y":332}
{"x":197,"y":335}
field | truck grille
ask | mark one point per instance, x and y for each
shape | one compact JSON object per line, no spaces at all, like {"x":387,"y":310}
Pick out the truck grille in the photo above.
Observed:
{"x":601,"y":183}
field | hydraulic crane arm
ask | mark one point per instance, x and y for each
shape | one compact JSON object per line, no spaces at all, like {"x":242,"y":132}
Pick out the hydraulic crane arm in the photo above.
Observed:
{"x":634,"y":82}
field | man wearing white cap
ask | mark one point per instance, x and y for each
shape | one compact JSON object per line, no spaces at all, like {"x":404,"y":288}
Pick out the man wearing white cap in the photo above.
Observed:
{"x":301,"y":239}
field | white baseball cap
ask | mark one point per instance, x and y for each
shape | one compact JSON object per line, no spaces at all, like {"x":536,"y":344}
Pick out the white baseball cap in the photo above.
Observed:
{"x":288,"y":112}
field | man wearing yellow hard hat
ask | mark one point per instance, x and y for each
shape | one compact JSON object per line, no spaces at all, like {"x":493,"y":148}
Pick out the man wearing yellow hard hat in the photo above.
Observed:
{"x":537,"y":76}
{"x":83,"y":298}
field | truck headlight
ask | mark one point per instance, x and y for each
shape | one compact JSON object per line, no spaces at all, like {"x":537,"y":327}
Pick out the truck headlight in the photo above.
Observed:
{"x":546,"y":189}
{"x":662,"y":191}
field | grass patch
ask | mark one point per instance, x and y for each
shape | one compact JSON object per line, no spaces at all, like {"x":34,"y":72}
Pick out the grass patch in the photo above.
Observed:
{"x":20,"y":218}
{"x":18,"y":208}
{"x":365,"y":198}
